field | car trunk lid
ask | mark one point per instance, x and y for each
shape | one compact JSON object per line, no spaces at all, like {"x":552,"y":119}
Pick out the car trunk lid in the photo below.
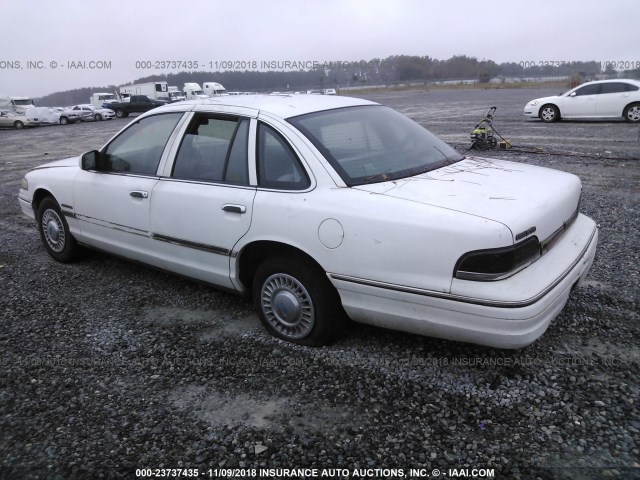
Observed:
{"x":528,"y":200}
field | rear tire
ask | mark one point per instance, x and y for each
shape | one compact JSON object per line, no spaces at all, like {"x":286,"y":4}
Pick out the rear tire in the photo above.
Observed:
{"x":296,"y":302}
{"x":64,"y":120}
{"x":54,"y":232}
{"x":632,"y":113}
{"x":549,"y":113}
{"x":18,"y":125}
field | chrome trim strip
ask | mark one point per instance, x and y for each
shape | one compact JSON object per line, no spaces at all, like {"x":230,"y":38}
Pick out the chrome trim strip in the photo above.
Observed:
{"x":115,"y":226}
{"x":206,"y":182}
{"x":546,"y":244}
{"x":189,"y":244}
{"x":463,"y":299}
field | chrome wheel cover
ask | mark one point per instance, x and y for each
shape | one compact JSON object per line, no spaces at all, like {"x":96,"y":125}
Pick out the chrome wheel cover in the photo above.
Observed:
{"x":633,"y":114}
{"x":287,"y":306}
{"x":53,"y":230}
{"x":548,"y":114}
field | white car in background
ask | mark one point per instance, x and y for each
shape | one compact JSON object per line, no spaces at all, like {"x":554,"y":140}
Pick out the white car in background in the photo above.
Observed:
{"x":321,"y":205}
{"x":600,"y":99}
{"x":67,"y":115}
{"x":16,"y":120}
{"x":90,"y":113}
{"x":43,"y":115}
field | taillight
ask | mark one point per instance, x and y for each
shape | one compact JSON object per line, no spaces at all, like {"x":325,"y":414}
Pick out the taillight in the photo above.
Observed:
{"x":497,"y":263}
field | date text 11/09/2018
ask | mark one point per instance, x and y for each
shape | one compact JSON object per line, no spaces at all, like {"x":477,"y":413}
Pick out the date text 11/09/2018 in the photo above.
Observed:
{"x":602,"y":65}
{"x":313,"y":472}
{"x":241,"y":65}
{"x":227,"y":64}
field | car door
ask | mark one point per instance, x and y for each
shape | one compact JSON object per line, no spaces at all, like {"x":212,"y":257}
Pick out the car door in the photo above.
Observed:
{"x":112,"y":200}
{"x":613,"y":97}
{"x":203,"y":204}
{"x":581,"y":102}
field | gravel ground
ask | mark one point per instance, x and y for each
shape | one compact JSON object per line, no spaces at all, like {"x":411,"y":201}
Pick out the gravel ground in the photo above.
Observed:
{"x":108,"y":367}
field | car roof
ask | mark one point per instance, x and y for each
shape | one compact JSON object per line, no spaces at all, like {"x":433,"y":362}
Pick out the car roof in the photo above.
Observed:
{"x":614,"y":80}
{"x":283,"y":106}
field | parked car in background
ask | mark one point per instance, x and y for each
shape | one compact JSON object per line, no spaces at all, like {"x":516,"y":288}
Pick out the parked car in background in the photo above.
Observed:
{"x":15,"y":120}
{"x":320,"y":206}
{"x":43,"y":115}
{"x":135,"y":104}
{"x":90,"y":113}
{"x":67,"y":115}
{"x":600,"y":99}
{"x":329,"y":91}
{"x":176,"y":96}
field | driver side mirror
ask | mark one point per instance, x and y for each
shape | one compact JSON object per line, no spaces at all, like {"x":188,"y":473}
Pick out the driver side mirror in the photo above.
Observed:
{"x":89,"y":160}
{"x":573,"y":94}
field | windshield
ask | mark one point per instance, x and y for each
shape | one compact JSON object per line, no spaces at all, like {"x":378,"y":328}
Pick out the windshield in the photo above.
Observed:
{"x":106,"y":97}
{"x":23,"y":102}
{"x":369,"y":144}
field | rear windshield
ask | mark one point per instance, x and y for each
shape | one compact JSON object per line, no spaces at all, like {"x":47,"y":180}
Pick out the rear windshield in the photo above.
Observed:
{"x":373,"y":143}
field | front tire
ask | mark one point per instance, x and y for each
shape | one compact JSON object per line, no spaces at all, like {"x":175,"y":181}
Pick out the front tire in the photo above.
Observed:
{"x":296,"y":302}
{"x":64,"y":120}
{"x":98,"y":117}
{"x":632,"y":113}
{"x":18,"y":125}
{"x":120,"y":113}
{"x":54,"y":232}
{"x":549,"y":113}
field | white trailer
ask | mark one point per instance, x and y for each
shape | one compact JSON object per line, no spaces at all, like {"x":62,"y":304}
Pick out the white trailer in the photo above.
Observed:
{"x":193,"y":91}
{"x":212,"y":89}
{"x":153,"y":90}
{"x":98,"y":99}
{"x":15,"y":104}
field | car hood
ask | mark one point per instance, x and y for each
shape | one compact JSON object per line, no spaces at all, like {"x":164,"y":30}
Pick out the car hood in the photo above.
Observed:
{"x":516,"y":195}
{"x":542,"y":100}
{"x":67,"y":162}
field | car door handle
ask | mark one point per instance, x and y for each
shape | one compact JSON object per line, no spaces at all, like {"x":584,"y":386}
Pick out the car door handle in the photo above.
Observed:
{"x":228,"y":207}
{"x":139,"y":194}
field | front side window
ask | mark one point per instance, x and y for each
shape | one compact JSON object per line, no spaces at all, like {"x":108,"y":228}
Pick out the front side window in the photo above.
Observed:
{"x":368,"y":144}
{"x":278,"y":165}
{"x":588,"y":90}
{"x":214,"y":149}
{"x":139,"y":148}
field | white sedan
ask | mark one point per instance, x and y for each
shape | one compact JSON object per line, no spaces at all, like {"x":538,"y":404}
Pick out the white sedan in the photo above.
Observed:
{"x":601,"y":99}
{"x":319,"y":206}
{"x":16,"y":120}
{"x":67,"y":115}
{"x":89,"y":112}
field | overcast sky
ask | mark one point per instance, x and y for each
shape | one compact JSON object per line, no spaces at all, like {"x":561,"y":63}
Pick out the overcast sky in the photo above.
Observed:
{"x":122,"y":32}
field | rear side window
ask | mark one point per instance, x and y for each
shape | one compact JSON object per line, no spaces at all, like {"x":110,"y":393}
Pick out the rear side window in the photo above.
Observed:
{"x":617,"y":87}
{"x":139,"y":148}
{"x":214,"y":149}
{"x":278,"y":166}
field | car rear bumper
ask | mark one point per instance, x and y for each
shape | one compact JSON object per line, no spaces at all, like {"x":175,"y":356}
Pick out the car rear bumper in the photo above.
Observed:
{"x":508,"y":320}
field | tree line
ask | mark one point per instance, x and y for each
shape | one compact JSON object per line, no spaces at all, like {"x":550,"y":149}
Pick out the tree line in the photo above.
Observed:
{"x":388,"y":71}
